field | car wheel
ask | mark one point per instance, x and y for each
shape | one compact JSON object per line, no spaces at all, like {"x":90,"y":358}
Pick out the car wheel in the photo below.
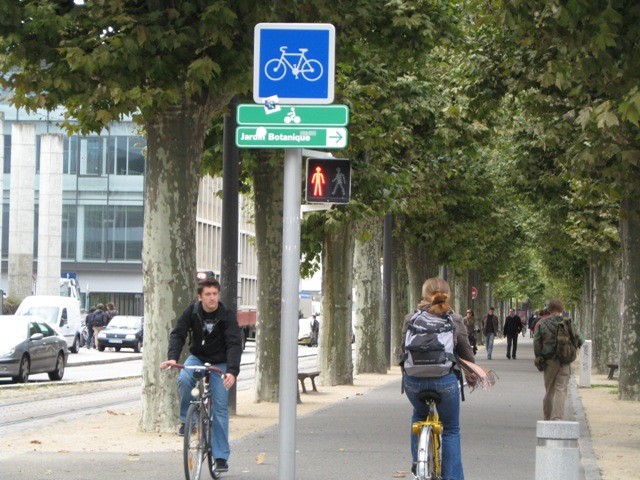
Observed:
{"x":23,"y":372}
{"x":117,"y":349}
{"x":100,"y":348}
{"x":137,"y":346}
{"x":75,"y":348}
{"x":58,"y":373}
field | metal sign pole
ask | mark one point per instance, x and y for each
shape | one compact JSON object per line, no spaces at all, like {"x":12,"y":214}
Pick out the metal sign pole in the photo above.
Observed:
{"x":289,"y":312}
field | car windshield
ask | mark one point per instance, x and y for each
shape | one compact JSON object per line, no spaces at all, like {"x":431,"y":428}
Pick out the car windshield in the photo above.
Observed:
{"x":48,"y":314}
{"x":12,"y":334}
{"x":124,"y":322}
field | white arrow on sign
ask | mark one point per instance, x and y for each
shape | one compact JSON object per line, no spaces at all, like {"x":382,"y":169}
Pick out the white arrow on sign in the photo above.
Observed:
{"x":337,"y":137}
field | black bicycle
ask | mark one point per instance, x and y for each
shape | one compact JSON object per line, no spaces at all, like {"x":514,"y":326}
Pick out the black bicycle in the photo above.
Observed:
{"x":197,"y":426}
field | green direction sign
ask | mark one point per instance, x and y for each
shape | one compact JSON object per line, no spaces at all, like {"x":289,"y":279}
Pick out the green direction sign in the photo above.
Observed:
{"x":293,"y":115}
{"x":291,"y":137}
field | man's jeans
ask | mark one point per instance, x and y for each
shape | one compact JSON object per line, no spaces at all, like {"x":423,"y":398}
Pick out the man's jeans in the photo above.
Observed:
{"x":449,"y":411}
{"x":489,"y":337}
{"x":219,"y":408}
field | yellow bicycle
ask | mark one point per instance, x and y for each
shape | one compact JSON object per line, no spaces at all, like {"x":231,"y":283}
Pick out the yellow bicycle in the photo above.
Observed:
{"x":429,"y":461}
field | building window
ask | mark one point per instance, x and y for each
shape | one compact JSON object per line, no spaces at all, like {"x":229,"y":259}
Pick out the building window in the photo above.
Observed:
{"x":90,"y":151}
{"x":7,"y":154}
{"x":94,"y":219}
{"x":113,"y":232}
{"x":69,"y":231}
{"x":124,"y":155}
{"x":70,"y":156}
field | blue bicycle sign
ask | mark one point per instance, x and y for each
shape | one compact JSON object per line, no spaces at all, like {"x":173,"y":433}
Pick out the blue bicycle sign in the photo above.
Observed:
{"x":294,"y":62}
{"x":276,"y":68}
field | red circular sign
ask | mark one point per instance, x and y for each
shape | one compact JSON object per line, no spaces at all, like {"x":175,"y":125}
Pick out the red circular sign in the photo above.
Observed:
{"x":474,"y":293}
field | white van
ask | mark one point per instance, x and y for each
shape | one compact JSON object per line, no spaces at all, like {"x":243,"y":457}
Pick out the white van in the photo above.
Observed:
{"x":61,"y":312}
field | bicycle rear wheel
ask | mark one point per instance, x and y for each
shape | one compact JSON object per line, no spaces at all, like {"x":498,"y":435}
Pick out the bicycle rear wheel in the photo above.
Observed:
{"x":194,"y":442}
{"x":427,"y":452}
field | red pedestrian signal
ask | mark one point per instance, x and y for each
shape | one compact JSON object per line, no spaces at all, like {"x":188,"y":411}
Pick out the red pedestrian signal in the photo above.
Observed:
{"x":328,"y":180}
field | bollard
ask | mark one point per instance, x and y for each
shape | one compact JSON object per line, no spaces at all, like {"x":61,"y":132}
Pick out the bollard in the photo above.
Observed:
{"x":557,"y":452}
{"x":585,"y":364}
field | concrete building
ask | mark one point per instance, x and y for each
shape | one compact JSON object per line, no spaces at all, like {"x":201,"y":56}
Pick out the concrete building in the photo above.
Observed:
{"x":102,"y":211}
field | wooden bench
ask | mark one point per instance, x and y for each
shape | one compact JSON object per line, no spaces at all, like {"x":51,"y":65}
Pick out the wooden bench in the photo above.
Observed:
{"x":302,"y":376}
{"x":612,"y":369}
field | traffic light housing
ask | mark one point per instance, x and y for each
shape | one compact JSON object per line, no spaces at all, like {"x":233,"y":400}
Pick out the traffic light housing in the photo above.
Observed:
{"x":328,"y":180}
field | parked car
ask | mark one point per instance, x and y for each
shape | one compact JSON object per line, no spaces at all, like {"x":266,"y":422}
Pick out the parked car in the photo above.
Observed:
{"x":123,"y":331}
{"x":61,"y":312}
{"x":29,"y":345}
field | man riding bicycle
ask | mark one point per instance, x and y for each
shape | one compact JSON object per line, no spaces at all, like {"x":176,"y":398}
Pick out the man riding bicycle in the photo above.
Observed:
{"x":215,"y":339}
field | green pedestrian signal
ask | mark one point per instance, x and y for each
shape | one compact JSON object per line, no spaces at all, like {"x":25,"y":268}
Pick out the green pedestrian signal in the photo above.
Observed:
{"x":328,"y":180}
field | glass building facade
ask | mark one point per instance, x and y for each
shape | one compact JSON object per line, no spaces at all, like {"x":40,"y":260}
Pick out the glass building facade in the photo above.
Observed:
{"x":103,"y":213}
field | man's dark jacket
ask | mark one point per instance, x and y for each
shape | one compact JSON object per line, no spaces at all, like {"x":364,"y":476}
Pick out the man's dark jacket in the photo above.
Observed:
{"x":512,"y":326}
{"x":223,"y":345}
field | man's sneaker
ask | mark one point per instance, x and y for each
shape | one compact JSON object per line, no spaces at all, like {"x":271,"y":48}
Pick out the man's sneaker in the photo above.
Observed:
{"x":222,"y":465}
{"x":181,"y":430}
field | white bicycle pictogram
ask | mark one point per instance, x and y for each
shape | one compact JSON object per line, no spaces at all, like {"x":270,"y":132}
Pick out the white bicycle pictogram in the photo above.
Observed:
{"x":292,"y":117}
{"x":276,"y":68}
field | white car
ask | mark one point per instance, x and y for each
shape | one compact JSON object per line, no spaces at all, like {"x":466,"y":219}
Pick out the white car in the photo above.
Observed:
{"x":63,"y":313}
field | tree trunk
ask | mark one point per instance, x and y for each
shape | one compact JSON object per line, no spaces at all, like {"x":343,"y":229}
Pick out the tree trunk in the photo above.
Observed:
{"x":629,"y":383}
{"x":335,"y":359}
{"x":370,"y":345}
{"x":607,"y":319}
{"x":268,"y":187}
{"x":400,"y":305}
{"x":459,"y":287}
{"x":420,"y":266}
{"x":174,"y":151}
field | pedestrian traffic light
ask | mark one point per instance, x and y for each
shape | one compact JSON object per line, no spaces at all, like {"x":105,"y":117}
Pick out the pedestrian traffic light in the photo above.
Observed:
{"x":328,"y":180}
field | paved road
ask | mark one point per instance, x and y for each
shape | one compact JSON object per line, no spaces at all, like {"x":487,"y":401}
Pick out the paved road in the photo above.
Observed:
{"x":359,"y":438}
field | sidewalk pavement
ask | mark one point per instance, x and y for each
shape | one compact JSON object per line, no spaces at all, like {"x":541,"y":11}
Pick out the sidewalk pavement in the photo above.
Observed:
{"x":366,"y":436}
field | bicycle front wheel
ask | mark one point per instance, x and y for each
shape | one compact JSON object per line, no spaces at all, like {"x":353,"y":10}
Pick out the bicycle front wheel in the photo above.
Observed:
{"x":427,"y":452}
{"x":195,"y":445}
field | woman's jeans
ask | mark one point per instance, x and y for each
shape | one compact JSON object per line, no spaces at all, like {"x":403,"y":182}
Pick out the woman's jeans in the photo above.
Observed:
{"x":219,"y":407}
{"x":449,"y":411}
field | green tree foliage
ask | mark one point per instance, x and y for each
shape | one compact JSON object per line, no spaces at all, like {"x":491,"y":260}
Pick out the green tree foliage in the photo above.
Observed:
{"x":171,"y":65}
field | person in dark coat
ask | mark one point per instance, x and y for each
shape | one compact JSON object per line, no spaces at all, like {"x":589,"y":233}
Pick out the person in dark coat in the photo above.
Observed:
{"x":511,"y":330}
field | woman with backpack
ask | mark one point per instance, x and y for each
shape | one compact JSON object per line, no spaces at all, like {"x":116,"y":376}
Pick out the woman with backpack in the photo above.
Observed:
{"x":443,"y":377}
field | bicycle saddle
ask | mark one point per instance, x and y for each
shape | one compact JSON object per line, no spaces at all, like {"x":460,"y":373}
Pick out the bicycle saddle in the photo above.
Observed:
{"x":429,"y":395}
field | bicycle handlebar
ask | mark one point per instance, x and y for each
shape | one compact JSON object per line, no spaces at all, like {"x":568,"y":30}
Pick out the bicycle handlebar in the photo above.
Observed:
{"x":206,"y":368}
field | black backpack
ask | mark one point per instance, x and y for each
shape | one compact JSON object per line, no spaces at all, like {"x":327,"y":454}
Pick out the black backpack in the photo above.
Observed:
{"x":98,"y":319}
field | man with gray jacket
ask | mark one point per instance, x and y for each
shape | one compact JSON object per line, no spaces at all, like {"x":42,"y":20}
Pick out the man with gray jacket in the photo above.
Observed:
{"x":490,"y":328}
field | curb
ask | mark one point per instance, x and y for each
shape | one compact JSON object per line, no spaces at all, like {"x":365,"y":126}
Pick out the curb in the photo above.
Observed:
{"x":588,"y":465}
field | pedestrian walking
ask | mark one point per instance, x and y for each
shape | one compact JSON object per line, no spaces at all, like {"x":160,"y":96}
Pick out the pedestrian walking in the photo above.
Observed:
{"x":490,"y":330}
{"x":472,"y":329}
{"x":98,"y":322}
{"x":111,"y":312}
{"x":511,"y":330}
{"x":89,"y":326}
{"x":533,"y":319}
{"x":315,"y":330}
{"x":556,"y":371}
